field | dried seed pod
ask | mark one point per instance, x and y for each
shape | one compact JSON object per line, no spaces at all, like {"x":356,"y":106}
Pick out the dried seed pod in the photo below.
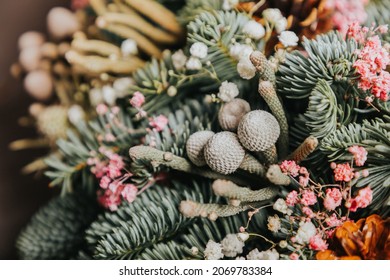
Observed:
{"x":39,"y":85}
{"x":30,"y":58}
{"x":30,"y":39}
{"x":62,"y":22}
{"x":53,"y":122}
{"x":195,"y":146}
{"x":231,"y":113}
{"x":258,"y":130}
{"x":223,"y":152}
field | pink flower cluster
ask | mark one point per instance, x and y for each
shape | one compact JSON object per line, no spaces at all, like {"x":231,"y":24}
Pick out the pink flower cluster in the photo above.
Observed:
{"x":110,"y":170}
{"x":158,"y":123}
{"x":332,"y":199}
{"x":359,"y":154}
{"x":345,"y":12}
{"x":343,"y":172}
{"x":362,"y":200}
{"x":317,"y":243}
{"x":137,"y":101}
{"x":372,"y":61}
{"x":290,"y":167}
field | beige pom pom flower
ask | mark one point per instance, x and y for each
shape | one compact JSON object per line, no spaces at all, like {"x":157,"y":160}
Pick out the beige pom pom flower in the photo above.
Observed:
{"x":223,"y":152}
{"x":231,"y":113}
{"x":195,"y":146}
{"x":258,"y":130}
{"x":39,"y":85}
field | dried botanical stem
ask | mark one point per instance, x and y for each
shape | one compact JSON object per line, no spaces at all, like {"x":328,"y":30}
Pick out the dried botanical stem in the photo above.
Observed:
{"x":263,"y":67}
{"x":96,"y":46}
{"x":158,"y":13}
{"x":252,"y":165}
{"x":126,"y":32}
{"x":96,"y":64}
{"x":276,"y":176}
{"x":99,"y":6}
{"x":231,"y":190}
{"x":192,"y":209}
{"x":305,"y":149}
{"x":157,"y":157}
{"x":270,"y":155}
{"x":267,"y":91}
{"x":22,"y":144}
{"x":141,"y":25}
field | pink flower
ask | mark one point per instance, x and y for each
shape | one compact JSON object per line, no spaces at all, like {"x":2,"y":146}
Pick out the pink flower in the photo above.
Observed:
{"x":308,"y":198}
{"x":104,"y":182}
{"x":137,"y":100}
{"x":101,"y":109}
{"x":343,"y":172}
{"x":333,"y":221}
{"x":307,"y":211}
{"x":292,"y":198}
{"x":359,"y":154}
{"x":110,"y":200}
{"x":332,"y":199}
{"x":129,"y":192}
{"x":362,"y":200}
{"x":79,"y":4}
{"x":346,"y":12}
{"x":159,"y":122}
{"x":304,"y":180}
{"x":317,"y":243}
{"x":294,"y":256}
{"x":290,"y":167}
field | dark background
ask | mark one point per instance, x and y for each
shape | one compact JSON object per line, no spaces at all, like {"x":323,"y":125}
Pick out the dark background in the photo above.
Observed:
{"x":20,"y":195}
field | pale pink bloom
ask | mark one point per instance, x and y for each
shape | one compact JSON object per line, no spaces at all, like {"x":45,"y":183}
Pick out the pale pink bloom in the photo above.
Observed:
{"x":332,"y":199}
{"x":159,"y":122}
{"x":365,"y":173}
{"x":101,"y":109}
{"x":116,"y":161}
{"x":99,"y":169}
{"x":109,"y":137}
{"x":333,"y":221}
{"x":362,"y":200}
{"x":308,"y":212}
{"x":383,"y":28}
{"x":129,"y":192}
{"x":304,"y":180}
{"x":137,"y":100}
{"x":292,"y":198}
{"x":359,"y":154}
{"x":317,"y":243}
{"x":294,"y":256}
{"x":343,"y":172}
{"x":290,"y":167}
{"x":329,"y":233}
{"x":110,"y":200}
{"x":308,"y":197}
{"x":115,"y":110}
{"x":104,"y":182}
{"x":113,"y":172}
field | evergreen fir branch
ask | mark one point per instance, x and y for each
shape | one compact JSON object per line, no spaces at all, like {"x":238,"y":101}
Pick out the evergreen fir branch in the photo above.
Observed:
{"x":195,"y":7}
{"x":330,"y":58}
{"x":56,"y":230}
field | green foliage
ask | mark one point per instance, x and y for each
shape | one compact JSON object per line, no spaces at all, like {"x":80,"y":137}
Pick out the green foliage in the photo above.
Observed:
{"x":379,"y":13}
{"x":375,"y":137}
{"x":196,"y":7}
{"x":56,"y":230}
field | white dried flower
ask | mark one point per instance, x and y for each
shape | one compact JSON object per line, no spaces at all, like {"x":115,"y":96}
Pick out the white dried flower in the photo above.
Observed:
{"x":306,"y":231}
{"x":272,"y":15}
{"x":109,"y":95}
{"x":199,"y":50}
{"x":227,"y":91}
{"x":254,"y":30}
{"x":245,"y":69}
{"x":243,"y":236}
{"x":122,"y":85}
{"x":213,"y":251}
{"x":281,"y":25}
{"x":264,"y":255}
{"x":288,"y":39}
{"x":193,"y":64}
{"x":96,"y":96}
{"x":172,"y":91}
{"x":239,"y":51}
{"x":129,"y":47}
{"x":274,"y":223}
{"x":75,"y":114}
{"x":281,"y":206}
{"x":227,"y":5}
{"x":231,"y":245}
{"x":179,"y":60}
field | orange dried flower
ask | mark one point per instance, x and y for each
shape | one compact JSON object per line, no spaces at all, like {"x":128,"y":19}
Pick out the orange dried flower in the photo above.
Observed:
{"x":367,"y":239}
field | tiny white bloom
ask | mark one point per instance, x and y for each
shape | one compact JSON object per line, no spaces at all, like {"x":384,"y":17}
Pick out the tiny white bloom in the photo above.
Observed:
{"x":129,"y":47}
{"x":193,"y":64}
{"x":109,"y":95}
{"x":263,"y":255}
{"x":232,"y":245}
{"x":245,"y":69}
{"x":172,"y":91}
{"x":95,"y":96}
{"x":288,"y":38}
{"x":199,"y":50}
{"x":179,"y":60}
{"x":254,"y":30}
{"x":213,"y":251}
{"x":228,"y":91}
{"x":281,"y":25}
{"x":281,"y":206}
{"x":229,"y":4}
{"x":306,"y":231}
{"x":272,"y":15}
{"x":274,"y":223}
{"x":75,"y":114}
{"x":122,"y":85}
{"x":243,"y":236}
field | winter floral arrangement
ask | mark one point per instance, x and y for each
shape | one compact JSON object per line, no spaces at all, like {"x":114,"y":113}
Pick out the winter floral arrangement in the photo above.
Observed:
{"x":211,"y":129}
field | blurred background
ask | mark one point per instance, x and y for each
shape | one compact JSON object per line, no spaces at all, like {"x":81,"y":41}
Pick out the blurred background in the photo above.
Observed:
{"x":20,"y":195}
